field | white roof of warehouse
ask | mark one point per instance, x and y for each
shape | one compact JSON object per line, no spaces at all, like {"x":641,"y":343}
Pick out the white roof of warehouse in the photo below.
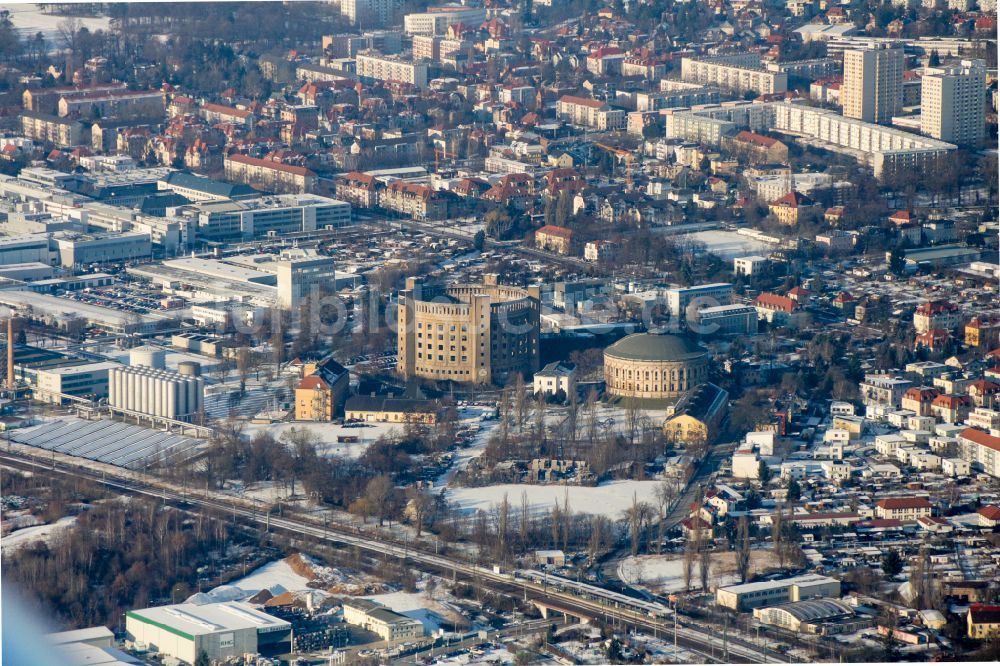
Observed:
{"x":198,"y":620}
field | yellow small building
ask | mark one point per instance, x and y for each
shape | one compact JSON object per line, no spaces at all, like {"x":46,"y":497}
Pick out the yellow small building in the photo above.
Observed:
{"x":983,"y":621}
{"x":792,"y":208}
{"x":381,"y":409}
{"x":321,"y":392}
{"x":696,"y":416}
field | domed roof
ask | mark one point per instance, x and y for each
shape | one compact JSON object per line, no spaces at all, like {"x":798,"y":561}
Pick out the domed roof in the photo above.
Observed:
{"x":655,"y":347}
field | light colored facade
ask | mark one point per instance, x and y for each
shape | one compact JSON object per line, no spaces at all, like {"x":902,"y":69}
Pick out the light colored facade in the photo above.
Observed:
{"x":156,"y":392}
{"x":222,"y":631}
{"x":981,"y":450}
{"x":478,"y":333}
{"x":750,"y":265}
{"x":654,"y":366}
{"x":269,"y":175}
{"x":553,"y":378}
{"x":51,"y":129}
{"x":82,"y":249}
{"x":887,"y":149}
{"x":734,"y":74}
{"x":770,"y":593}
{"x":902,"y":508}
{"x":89,"y":380}
{"x":376,"y":618}
{"x":387,"y":68}
{"x":302,"y":273}
{"x":736,"y":319}
{"x":435,"y":20}
{"x":704,"y":295}
{"x":591,"y":113}
{"x":953,"y":102}
{"x":372,"y":13}
{"x":873,"y":83}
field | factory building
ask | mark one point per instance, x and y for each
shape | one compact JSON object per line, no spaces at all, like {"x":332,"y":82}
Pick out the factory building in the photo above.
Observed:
{"x":221,"y":630}
{"x":157,"y":392}
{"x":87,"y":380}
{"x":82,"y":249}
{"x":30,"y":248}
{"x":775,"y":592}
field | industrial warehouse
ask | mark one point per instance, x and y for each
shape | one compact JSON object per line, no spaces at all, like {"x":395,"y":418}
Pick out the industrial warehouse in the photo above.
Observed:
{"x":222,"y":630}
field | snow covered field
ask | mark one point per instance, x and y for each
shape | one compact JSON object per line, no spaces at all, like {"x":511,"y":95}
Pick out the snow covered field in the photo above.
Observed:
{"x":278,"y":577}
{"x":610,"y":499}
{"x":29,"y":535}
{"x":665,"y":573}
{"x":729,"y":244}
{"x":29,"y":19}
{"x":328,"y":434}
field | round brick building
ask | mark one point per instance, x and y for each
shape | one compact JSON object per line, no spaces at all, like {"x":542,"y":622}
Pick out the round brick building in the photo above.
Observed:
{"x":654,"y":366}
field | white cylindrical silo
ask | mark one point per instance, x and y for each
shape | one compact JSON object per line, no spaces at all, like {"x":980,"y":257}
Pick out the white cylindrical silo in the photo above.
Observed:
{"x":147,"y":393}
{"x":171,"y":400}
{"x":130,"y":390}
{"x":157,"y":406}
{"x":199,"y":395}
{"x":148,"y":357}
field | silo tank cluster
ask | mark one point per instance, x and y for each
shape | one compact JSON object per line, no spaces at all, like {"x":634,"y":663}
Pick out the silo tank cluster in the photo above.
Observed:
{"x":156,"y":392}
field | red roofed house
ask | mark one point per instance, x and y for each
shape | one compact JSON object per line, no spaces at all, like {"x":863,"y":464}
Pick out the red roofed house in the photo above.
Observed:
{"x":761,"y":148}
{"x":418,"y":201}
{"x":936,"y":314}
{"x":902,"y":508}
{"x":933,"y":340}
{"x":778,"y":310}
{"x":606,"y":61}
{"x":554,"y":239}
{"x":919,"y":399}
{"x":320,"y":393}
{"x":951,"y":408}
{"x":358,"y":189}
{"x":792,"y":208}
{"x":989,"y":515}
{"x":590,"y":113}
{"x":981,"y":332}
{"x":269,"y":175}
{"x":981,"y":450}
{"x":983,"y":393}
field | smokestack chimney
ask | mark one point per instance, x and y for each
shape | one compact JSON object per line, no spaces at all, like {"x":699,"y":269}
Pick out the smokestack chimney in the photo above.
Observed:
{"x":10,"y":353}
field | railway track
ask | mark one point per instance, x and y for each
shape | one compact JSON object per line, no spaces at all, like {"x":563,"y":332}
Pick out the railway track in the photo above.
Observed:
{"x":701,"y":641}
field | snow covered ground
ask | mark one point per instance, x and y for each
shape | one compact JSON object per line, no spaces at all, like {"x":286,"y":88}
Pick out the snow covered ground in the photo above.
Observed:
{"x":328,"y":434}
{"x":415,"y":605}
{"x":278,"y":577}
{"x":729,"y":244}
{"x":29,"y":535}
{"x":611,"y":499}
{"x":665,"y":573}
{"x":29,"y":19}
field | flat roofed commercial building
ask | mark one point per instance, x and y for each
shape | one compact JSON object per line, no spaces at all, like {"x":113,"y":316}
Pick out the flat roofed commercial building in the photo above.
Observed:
{"x":87,"y":380}
{"x":222,"y":630}
{"x":768,"y":593}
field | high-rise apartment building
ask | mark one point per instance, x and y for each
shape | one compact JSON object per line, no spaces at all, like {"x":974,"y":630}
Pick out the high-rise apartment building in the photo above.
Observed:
{"x":370,"y":13}
{"x":873,"y":83}
{"x":952,"y":102}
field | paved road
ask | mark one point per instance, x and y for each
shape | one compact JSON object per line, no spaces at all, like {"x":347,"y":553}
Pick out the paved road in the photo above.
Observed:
{"x":131,"y":482}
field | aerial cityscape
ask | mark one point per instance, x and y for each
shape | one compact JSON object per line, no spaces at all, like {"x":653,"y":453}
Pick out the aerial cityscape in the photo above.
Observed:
{"x":499,"y":332}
